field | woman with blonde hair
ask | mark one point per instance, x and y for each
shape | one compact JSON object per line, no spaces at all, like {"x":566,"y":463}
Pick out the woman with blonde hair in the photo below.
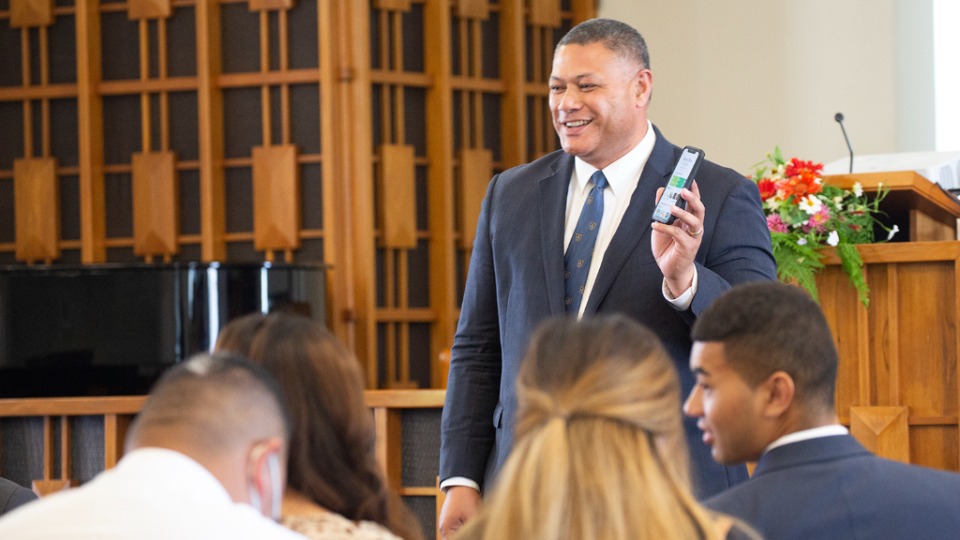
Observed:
{"x":335,"y":488}
{"x":600,"y":449}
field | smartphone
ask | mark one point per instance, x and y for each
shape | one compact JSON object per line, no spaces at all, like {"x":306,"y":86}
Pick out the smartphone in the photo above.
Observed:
{"x":683,"y":176}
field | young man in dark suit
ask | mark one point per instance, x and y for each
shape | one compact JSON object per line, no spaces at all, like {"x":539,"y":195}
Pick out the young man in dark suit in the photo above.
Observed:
{"x":766,"y":369}
{"x":522,"y":272}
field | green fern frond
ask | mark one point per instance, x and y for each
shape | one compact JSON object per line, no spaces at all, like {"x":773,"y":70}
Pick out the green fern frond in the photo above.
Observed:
{"x":853,"y":266}
{"x":796,"y":263}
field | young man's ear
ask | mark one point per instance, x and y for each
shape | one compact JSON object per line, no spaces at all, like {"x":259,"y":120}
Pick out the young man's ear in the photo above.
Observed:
{"x":779,"y":391}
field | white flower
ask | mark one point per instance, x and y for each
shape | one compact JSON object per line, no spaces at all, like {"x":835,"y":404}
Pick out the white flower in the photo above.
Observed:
{"x":857,"y":189}
{"x":802,"y":242}
{"x":833,"y":238}
{"x":811,"y":204}
{"x":892,"y":232}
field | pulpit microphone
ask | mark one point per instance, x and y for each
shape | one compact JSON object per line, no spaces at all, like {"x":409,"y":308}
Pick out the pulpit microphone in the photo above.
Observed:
{"x":839,"y":118}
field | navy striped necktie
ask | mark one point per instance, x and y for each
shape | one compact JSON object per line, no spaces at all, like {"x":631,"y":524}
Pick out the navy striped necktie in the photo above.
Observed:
{"x":576,"y":261}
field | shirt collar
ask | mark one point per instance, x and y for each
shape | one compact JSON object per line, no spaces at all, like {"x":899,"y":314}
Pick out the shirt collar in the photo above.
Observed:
{"x":624,"y":173}
{"x":807,"y":434}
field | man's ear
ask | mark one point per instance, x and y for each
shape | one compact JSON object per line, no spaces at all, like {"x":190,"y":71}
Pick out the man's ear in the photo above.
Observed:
{"x":266,"y":476}
{"x":643,"y":81}
{"x":778,"y":392}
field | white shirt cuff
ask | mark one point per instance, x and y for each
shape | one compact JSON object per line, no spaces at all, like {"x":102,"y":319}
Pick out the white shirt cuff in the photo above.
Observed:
{"x":683,"y":301}
{"x":458,"y":481}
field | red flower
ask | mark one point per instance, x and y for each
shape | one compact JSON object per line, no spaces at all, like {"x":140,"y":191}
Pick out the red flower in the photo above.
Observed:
{"x":768,"y":188}
{"x":797,"y":167}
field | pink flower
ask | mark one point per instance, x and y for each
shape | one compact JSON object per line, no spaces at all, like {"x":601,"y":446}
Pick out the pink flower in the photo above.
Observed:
{"x":775,"y":224}
{"x":818,"y":221}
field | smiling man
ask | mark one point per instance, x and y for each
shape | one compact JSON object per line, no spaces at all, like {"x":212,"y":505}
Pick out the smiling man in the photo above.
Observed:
{"x":766,"y":370}
{"x":571,"y":234}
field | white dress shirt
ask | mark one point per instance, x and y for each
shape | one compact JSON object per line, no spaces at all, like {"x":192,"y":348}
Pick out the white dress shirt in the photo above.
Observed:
{"x":152,"y":494}
{"x":806,"y":435}
{"x":623,"y":176}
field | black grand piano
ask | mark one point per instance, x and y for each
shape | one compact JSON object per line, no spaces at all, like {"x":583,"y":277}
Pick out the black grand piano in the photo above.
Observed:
{"x":97,"y":330}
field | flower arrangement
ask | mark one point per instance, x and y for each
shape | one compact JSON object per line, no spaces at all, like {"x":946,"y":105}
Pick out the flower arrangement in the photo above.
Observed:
{"x":804,"y":215}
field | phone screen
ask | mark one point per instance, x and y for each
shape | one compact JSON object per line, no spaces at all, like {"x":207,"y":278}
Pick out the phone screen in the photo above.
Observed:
{"x":671,"y":194}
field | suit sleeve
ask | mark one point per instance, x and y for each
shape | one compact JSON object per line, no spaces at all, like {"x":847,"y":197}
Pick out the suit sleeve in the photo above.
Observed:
{"x":473,"y":388}
{"x":738,"y":250}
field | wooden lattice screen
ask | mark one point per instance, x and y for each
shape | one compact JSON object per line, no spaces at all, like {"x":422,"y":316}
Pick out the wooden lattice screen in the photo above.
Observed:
{"x":360,"y":134}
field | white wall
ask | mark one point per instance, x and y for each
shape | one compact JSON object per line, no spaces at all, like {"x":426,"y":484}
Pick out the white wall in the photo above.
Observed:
{"x":737,"y":77}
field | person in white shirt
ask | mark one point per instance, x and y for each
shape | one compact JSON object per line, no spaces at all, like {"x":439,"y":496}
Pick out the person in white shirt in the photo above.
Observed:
{"x":205,"y":459}
{"x":766,"y":370}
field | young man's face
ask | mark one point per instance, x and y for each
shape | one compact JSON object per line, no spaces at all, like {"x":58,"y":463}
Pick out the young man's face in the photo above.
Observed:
{"x":729,"y":411}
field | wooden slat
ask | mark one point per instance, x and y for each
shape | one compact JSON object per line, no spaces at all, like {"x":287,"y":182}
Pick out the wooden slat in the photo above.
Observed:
{"x":71,"y":406}
{"x":545,"y":13}
{"x":90,"y":140}
{"x":406,"y":399}
{"x":440,"y":185}
{"x":473,"y":9}
{"x":31,"y":13}
{"x":276,"y":198}
{"x":210,"y":141}
{"x":130,"y":405}
{"x":114,"y":435}
{"x":155,"y":204}
{"x":149,"y":9}
{"x":388,"y":444}
{"x":264,"y":5}
{"x":476,"y":169}
{"x":882,"y":430}
{"x":36,"y":207}
{"x":392,"y":5}
{"x":513,"y":126}
{"x":397,"y":184}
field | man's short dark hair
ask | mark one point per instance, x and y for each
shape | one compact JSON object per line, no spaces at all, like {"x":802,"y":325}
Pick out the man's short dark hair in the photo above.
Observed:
{"x":216,"y":399}
{"x":619,"y":37}
{"x":768,"y":327}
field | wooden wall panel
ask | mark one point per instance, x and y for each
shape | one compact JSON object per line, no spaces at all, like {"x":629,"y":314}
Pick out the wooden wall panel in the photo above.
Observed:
{"x":36,"y":194}
{"x":397,"y":183}
{"x":476,"y":169}
{"x":276,"y":198}
{"x":211,"y":81}
{"x":882,"y":430}
{"x":149,"y":9}
{"x":31,"y":13}
{"x":155,"y":206}
{"x":928,"y":363}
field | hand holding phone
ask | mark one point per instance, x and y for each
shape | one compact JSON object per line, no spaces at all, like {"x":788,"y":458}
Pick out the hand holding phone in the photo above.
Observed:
{"x":682,"y":178}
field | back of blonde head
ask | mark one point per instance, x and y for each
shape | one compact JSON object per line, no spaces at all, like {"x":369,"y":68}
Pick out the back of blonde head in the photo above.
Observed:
{"x":600,"y":449}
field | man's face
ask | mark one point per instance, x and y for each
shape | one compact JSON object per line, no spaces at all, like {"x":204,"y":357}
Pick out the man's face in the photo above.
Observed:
{"x":728,"y":410}
{"x":598,"y":100}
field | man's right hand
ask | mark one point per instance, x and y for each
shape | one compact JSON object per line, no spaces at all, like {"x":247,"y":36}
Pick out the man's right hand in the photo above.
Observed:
{"x":460,"y":505}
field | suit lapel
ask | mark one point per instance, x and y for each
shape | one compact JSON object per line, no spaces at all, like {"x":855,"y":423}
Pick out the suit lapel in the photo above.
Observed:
{"x":553,"y":206}
{"x":636,"y":220}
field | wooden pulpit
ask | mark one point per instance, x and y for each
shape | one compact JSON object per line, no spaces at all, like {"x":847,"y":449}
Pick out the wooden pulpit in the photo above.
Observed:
{"x":903,"y":352}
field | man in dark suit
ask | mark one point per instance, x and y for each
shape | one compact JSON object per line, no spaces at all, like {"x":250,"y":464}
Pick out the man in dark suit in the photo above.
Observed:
{"x":766,"y":369}
{"x":661,"y":275}
{"x":13,"y":495}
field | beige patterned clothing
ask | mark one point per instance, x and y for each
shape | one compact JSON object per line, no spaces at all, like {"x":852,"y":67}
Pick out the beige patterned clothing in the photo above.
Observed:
{"x":334,"y":526}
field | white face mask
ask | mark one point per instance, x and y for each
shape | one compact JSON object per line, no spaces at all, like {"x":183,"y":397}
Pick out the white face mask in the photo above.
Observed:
{"x":273,"y":469}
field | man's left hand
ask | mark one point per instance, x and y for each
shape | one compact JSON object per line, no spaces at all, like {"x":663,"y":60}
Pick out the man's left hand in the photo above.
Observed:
{"x":675,"y":246}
